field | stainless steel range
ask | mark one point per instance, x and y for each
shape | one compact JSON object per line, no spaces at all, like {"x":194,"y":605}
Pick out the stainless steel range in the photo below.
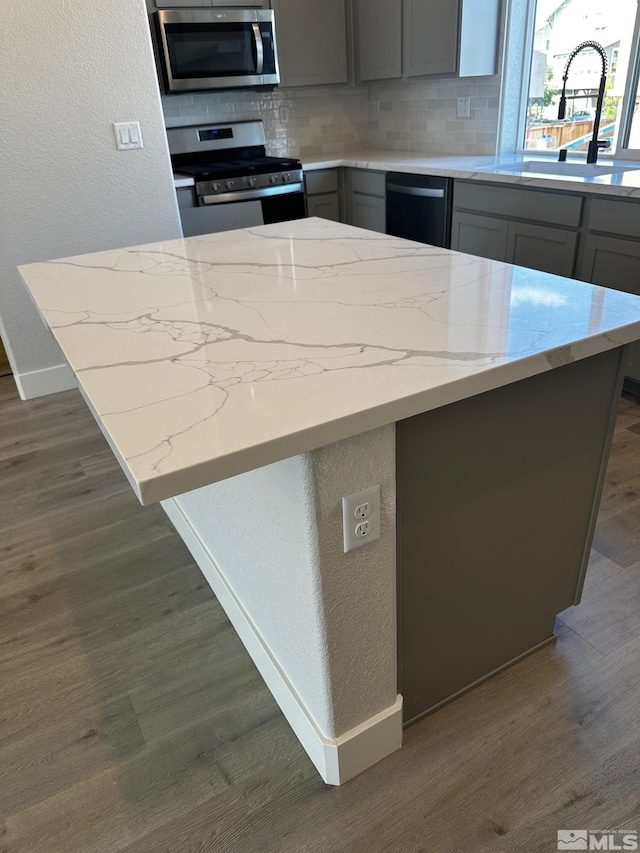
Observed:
{"x":235,"y":184}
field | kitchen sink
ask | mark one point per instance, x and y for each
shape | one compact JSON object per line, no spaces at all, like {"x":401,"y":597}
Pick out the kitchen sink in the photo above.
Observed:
{"x":550,"y":167}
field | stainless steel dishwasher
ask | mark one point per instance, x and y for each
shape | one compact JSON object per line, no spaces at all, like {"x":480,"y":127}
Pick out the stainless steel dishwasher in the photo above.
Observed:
{"x":419,"y":208}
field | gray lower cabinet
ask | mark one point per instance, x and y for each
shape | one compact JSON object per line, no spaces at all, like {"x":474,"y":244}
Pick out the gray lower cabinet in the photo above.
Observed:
{"x":614,"y":262}
{"x":592,"y":238}
{"x":542,"y":248}
{"x":365,"y":199}
{"x":312,"y":41}
{"x":538,"y":247}
{"x":484,"y":236}
{"x":323,"y":194}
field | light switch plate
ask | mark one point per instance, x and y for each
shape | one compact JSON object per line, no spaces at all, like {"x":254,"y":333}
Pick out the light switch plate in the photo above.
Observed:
{"x":128,"y":135}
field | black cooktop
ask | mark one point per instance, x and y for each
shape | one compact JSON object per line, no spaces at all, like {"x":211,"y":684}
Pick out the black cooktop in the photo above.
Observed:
{"x":238,"y":168}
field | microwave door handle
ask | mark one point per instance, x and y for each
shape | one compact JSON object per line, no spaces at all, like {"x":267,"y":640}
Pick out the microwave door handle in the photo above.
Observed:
{"x":257,"y":37}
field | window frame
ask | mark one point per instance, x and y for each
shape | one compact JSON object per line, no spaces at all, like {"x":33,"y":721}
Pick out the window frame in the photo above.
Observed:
{"x":631,"y":92}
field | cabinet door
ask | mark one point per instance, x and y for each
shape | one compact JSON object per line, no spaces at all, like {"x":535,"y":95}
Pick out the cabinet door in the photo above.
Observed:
{"x":379,"y":39}
{"x":614,"y":263}
{"x":366,"y":211}
{"x":326,"y":206}
{"x":431,"y":36}
{"x":479,"y":235}
{"x":312,"y":41}
{"x":542,"y":248}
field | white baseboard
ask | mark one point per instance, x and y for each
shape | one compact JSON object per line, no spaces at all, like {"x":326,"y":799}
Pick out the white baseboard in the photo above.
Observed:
{"x":336,"y":759}
{"x":50,"y":380}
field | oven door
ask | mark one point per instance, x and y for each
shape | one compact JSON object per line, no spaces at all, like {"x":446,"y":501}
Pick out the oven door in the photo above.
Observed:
{"x":229,"y":215}
{"x":216,"y":49}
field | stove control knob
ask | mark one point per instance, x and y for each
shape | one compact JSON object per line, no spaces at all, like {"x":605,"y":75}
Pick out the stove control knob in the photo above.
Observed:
{"x":216,"y":187}
{"x":273,"y":179}
{"x":286,"y":177}
{"x":252,"y":182}
{"x":230,"y":185}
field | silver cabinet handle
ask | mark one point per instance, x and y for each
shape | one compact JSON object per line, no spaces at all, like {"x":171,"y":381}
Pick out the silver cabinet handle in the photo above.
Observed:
{"x":257,"y":35}
{"x":419,"y":191}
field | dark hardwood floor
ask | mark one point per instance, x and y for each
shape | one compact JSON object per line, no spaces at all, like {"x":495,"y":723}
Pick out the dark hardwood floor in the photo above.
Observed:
{"x":132,"y":719}
{"x":5,"y":367}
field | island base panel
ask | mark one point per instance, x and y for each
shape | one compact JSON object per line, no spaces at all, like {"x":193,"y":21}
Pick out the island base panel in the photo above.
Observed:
{"x":497,"y":502}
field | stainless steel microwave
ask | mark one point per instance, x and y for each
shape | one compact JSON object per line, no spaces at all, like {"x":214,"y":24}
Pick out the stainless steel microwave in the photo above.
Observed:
{"x":212,"y":49}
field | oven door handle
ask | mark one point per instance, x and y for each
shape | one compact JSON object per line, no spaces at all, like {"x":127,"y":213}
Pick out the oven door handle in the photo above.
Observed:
{"x":257,"y":37}
{"x":250,"y":195}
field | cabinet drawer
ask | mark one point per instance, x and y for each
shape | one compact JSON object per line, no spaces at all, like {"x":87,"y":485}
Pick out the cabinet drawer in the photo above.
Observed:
{"x":553,"y":208}
{"x":616,"y":217}
{"x":370,"y":183}
{"x":323,"y":181}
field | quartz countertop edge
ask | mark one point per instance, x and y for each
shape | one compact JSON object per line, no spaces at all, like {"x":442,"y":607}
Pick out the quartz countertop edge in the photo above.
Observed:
{"x":208,"y":357}
{"x":475,"y":168}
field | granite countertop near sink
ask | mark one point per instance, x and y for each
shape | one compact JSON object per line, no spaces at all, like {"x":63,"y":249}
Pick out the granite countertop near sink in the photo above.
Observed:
{"x":205,"y":357}
{"x":623,"y":184}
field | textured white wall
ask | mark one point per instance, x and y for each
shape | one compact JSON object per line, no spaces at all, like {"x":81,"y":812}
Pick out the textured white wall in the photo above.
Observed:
{"x":328,"y":617}
{"x":69,"y":69}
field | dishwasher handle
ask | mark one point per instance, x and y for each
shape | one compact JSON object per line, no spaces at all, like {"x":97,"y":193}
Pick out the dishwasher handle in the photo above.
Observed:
{"x":420,"y":191}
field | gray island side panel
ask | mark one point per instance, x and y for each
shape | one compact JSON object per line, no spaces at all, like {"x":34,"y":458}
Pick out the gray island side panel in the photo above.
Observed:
{"x":497,"y":498}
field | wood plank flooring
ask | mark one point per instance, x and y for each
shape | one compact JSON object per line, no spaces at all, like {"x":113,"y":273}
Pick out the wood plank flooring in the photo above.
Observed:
{"x":132,"y":719}
{"x":5,"y":367}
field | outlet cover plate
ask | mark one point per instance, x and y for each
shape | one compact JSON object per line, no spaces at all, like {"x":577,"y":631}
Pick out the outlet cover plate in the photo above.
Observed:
{"x":351,"y":520}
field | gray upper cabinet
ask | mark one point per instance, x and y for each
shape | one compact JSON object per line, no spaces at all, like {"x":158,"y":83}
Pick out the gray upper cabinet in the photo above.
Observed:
{"x":312,"y":41}
{"x":430,"y":37}
{"x":414,"y":38}
{"x":379,"y":39}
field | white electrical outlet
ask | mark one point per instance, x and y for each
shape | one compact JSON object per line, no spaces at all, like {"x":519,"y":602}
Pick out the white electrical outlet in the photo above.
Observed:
{"x":464,"y":107}
{"x":361,"y":518}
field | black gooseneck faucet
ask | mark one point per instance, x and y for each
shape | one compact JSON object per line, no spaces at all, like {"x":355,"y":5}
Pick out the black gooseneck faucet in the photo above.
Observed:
{"x":596,"y":144}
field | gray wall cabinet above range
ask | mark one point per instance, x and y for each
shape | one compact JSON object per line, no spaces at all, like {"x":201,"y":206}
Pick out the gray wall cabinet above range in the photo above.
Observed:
{"x":312,"y":41}
{"x":414,"y":38}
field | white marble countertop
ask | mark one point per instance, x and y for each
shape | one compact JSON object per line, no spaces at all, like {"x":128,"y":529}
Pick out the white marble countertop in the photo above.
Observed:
{"x":182,"y":180}
{"x":206,"y":357}
{"x":624,"y":184}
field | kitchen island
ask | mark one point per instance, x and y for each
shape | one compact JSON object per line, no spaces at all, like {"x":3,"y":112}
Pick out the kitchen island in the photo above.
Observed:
{"x":250,"y":379}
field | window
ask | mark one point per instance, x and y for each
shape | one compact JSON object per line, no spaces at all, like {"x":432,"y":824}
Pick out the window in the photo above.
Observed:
{"x":556,"y":28}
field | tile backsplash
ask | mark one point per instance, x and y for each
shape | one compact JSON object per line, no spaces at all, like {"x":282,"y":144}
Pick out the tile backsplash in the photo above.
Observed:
{"x":421,"y":115}
{"x":395,"y":115}
{"x":327,"y":120}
